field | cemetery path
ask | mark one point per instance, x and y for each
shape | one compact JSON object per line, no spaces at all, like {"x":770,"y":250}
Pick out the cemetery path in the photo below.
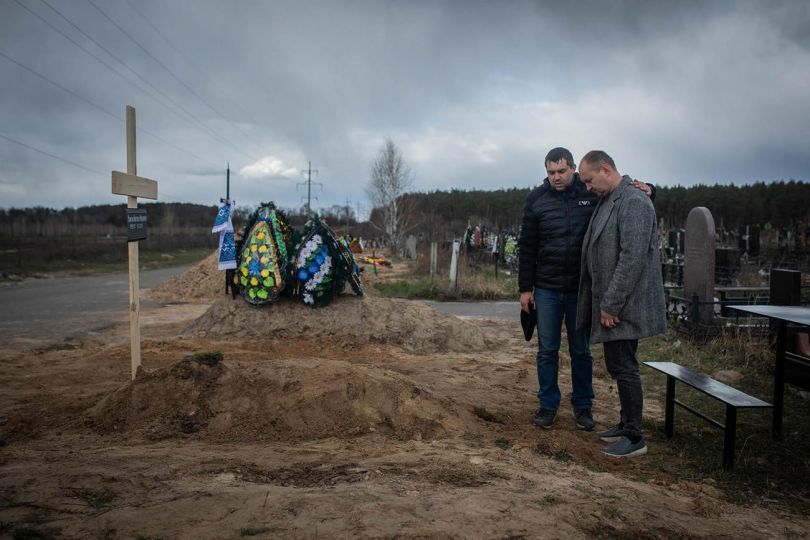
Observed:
{"x":509,"y":310}
{"x":59,"y":307}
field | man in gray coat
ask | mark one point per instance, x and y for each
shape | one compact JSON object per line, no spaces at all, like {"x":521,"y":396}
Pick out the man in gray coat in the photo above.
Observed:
{"x":621,"y":293}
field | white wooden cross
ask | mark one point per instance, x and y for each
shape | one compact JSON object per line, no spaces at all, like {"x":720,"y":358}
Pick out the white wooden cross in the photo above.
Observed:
{"x":133,"y":187}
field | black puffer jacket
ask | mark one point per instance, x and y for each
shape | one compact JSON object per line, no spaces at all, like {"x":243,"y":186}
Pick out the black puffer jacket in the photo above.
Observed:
{"x":553,"y":227}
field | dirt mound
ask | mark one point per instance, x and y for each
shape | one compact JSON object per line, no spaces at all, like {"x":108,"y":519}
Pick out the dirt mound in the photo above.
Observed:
{"x":202,"y":281}
{"x":276,"y":400}
{"x":350,"y":320}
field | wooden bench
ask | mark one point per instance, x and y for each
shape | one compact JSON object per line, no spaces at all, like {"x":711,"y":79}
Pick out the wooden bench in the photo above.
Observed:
{"x":733,"y":399}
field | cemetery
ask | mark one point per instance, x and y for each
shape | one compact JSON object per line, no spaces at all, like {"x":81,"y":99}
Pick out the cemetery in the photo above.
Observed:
{"x":375,"y":416}
{"x":390,"y":270}
{"x":273,"y":389}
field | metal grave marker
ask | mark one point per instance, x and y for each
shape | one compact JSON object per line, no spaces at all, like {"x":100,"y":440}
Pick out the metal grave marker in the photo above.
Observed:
{"x":136,"y":224}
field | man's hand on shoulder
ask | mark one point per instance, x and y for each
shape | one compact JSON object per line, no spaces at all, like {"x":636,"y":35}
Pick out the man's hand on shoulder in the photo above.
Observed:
{"x":525,"y":300}
{"x":638,"y":184}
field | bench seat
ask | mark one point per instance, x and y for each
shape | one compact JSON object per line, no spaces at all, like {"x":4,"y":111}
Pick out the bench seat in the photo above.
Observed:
{"x":733,"y":399}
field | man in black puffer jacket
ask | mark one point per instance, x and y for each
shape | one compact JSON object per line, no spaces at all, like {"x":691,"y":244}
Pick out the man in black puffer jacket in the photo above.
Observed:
{"x":555,"y":218}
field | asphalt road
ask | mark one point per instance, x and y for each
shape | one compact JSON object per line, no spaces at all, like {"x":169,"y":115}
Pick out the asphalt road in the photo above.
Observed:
{"x":58,"y":307}
{"x":484,"y":310}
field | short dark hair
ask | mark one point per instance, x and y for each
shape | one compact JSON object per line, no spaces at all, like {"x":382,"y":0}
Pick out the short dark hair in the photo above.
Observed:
{"x":594,"y":158}
{"x":556,"y":154}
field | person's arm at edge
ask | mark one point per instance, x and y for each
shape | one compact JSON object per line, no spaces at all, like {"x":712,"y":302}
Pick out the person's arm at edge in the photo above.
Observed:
{"x":527,"y":254}
{"x":649,"y":189}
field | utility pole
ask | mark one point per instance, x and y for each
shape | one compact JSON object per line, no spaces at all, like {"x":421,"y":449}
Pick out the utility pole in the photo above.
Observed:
{"x":348,"y":210}
{"x":227,"y":200}
{"x":308,"y":183}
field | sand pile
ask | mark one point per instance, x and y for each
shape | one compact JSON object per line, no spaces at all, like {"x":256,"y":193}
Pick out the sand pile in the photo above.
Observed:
{"x":276,"y":400}
{"x":202,"y":281}
{"x":349,"y":320}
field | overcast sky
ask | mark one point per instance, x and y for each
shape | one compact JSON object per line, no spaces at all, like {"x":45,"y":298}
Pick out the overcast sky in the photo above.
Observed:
{"x":473,"y":93}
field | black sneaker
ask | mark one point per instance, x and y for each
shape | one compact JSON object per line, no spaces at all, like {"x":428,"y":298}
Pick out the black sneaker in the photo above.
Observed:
{"x":544,"y":418}
{"x":624,"y":447}
{"x":584,"y":419}
{"x":613,"y":434}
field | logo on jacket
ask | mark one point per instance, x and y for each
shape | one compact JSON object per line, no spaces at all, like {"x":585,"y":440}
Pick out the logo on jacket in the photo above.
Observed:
{"x":584,"y":203}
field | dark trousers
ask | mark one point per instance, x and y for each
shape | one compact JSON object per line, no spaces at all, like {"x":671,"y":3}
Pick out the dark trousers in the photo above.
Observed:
{"x":621,"y":363}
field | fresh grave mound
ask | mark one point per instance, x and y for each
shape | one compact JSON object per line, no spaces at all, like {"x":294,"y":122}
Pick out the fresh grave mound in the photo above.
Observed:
{"x":412,"y":325}
{"x":275,"y":400}
{"x":201,"y":282}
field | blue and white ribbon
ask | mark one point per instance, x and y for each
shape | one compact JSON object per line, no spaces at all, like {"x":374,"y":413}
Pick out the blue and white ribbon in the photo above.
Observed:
{"x":227,"y":245}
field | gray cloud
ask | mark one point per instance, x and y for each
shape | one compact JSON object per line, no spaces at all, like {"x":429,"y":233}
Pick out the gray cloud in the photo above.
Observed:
{"x":474,"y":93}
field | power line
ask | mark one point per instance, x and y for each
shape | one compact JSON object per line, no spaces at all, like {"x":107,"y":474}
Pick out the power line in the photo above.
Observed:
{"x":56,"y":84}
{"x":176,"y":48}
{"x":169,"y":71}
{"x":15,"y":141}
{"x":112,"y":55}
{"x":163,"y":194}
{"x":100,"y":46}
{"x":100,"y":108}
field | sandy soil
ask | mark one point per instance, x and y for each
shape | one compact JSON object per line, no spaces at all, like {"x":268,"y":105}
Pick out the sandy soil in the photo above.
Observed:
{"x":325,"y":433}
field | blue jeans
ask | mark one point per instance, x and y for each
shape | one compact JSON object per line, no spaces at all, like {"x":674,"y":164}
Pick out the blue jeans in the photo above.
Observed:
{"x":552,"y":307}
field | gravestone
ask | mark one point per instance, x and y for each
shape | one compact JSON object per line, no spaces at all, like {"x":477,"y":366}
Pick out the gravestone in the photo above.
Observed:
{"x":698,"y":265}
{"x":410,"y":247}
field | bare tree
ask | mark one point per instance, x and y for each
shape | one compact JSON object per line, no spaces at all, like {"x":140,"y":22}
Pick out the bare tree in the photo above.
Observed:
{"x":390,"y":180}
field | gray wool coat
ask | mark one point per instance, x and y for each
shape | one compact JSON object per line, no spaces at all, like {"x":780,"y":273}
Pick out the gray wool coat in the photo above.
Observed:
{"x":621,"y":269}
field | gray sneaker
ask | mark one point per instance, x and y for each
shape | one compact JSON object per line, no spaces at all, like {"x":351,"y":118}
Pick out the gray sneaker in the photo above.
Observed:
{"x":624,"y":448}
{"x":544,"y":418}
{"x":613,"y":434}
{"x":584,"y":419}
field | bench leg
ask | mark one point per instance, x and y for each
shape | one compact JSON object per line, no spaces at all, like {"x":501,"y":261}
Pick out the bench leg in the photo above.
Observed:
{"x":669,"y":418}
{"x":730,"y":437}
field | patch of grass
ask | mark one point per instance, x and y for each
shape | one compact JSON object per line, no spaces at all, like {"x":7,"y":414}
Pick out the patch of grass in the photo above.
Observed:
{"x":548,"y":500}
{"x":765,"y":472}
{"x":544,"y":448}
{"x":478,"y":286}
{"x":208,"y":358}
{"x":612,"y":512}
{"x":419,"y":288}
{"x":65,"y":346}
{"x":253,"y":531}
{"x":488,"y":416}
{"x":503,"y":443}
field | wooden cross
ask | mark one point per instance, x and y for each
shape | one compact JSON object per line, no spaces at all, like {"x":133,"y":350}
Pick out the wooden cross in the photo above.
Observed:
{"x":133,"y":187}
